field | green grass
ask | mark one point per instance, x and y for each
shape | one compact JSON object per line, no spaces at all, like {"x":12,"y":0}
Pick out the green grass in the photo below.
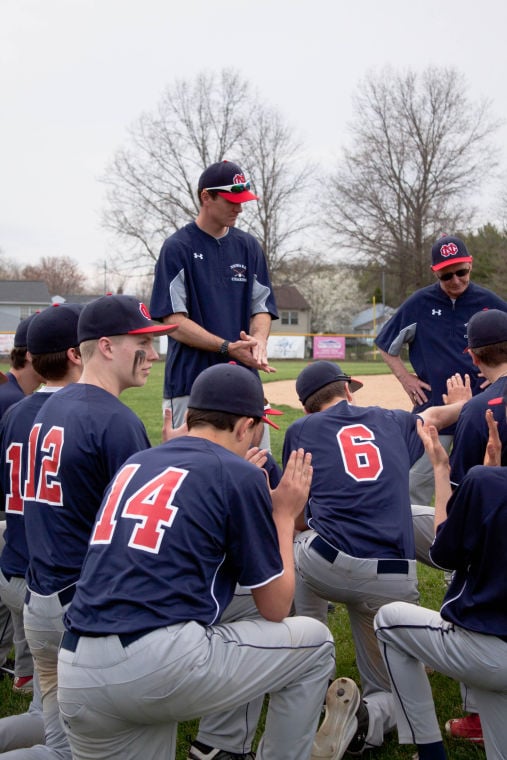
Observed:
{"x":146,"y":402}
{"x":288,"y":369}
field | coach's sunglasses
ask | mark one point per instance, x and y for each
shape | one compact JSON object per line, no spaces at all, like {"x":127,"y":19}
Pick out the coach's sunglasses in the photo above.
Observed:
{"x":458,"y":273}
{"x":239,"y":187}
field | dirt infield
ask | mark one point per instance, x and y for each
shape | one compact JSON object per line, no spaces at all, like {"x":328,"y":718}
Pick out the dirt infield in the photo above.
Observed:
{"x":377,"y":390}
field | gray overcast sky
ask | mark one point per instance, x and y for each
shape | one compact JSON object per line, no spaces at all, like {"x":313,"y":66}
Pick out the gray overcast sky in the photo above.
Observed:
{"x":74,"y":74}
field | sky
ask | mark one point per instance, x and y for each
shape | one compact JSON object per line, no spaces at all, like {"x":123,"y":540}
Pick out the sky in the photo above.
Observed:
{"x":75,"y":74}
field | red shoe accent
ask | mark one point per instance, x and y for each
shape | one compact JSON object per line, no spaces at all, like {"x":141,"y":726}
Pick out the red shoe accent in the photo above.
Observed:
{"x":468,"y":728}
{"x":23,"y":683}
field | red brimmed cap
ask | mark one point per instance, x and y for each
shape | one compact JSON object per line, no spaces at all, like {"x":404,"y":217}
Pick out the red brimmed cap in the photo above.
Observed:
{"x":117,"y":315}
{"x":268,"y":410}
{"x":449,"y":250}
{"x":228,"y":179}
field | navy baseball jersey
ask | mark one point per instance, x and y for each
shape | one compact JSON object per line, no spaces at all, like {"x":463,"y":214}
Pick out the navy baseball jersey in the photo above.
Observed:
{"x":472,"y":541}
{"x":10,"y":393}
{"x":14,"y":434}
{"x":435,"y":328}
{"x":179,"y":526}
{"x":80,"y":438}
{"x":219,"y":283}
{"x":471,"y":434}
{"x":359,"y":497}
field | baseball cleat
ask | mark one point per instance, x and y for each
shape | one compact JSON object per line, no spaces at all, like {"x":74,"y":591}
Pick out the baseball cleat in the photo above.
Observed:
{"x":23,"y":684}
{"x":340,"y":722}
{"x":200,"y":751}
{"x":468,"y":728}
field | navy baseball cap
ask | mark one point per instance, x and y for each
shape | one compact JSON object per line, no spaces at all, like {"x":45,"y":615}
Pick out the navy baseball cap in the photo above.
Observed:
{"x":318,"y":374}
{"x":54,"y":329}
{"x":449,"y":250}
{"x":20,"y":336}
{"x":229,"y":180}
{"x":487,"y":327}
{"x":117,"y":315}
{"x":229,"y":388}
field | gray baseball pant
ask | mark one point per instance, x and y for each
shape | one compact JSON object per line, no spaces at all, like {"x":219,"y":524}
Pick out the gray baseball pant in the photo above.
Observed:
{"x":123,"y":702}
{"x":356,"y":583}
{"x":43,"y":620}
{"x":411,"y":637}
{"x":12,"y":592}
{"x":6,"y":626}
{"x":234,"y":730}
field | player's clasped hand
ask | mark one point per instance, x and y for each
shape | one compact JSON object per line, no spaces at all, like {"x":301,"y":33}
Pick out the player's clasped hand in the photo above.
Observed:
{"x":493,"y":455}
{"x":458,"y":389}
{"x":293,"y":490}
{"x":434,"y":449}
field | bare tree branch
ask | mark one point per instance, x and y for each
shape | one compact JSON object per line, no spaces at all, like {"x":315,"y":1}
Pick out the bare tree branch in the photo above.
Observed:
{"x":151,"y":183}
{"x":420,"y":152}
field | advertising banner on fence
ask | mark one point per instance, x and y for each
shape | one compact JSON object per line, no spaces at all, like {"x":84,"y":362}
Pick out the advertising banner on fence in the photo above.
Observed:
{"x":286,"y":347}
{"x":6,"y":342}
{"x":329,"y":347}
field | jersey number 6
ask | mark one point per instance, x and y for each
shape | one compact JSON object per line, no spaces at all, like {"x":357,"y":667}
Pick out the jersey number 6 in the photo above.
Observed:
{"x":361,"y":457}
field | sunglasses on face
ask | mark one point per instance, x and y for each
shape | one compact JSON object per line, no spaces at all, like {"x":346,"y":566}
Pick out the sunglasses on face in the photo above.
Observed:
{"x":239,"y":187}
{"x":458,"y":273}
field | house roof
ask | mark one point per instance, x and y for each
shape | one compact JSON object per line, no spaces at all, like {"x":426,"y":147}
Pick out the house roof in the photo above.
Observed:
{"x":381,"y":313}
{"x":32,"y":292}
{"x":83,"y":298}
{"x":289,"y":297}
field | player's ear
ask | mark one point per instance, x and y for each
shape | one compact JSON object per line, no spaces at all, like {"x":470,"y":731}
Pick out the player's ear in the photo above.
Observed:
{"x":74,"y":356}
{"x":473,"y":357}
{"x":105,"y":346}
{"x":243,"y":427}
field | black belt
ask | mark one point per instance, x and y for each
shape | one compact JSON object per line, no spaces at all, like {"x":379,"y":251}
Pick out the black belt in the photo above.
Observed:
{"x":70,"y":639}
{"x":65,"y":596}
{"x":329,"y":553}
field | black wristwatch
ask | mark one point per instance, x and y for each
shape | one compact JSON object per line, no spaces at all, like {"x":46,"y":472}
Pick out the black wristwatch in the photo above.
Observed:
{"x":224,"y":349}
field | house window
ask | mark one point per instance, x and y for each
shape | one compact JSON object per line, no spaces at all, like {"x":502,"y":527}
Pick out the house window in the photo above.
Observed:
{"x":290,"y":317}
{"x":26,"y":311}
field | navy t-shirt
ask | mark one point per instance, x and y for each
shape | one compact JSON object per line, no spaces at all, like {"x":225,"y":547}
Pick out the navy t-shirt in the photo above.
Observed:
{"x":435,"y":329}
{"x":179,"y":527}
{"x":14,"y":432}
{"x":359,"y":497}
{"x":220,"y":283}
{"x":10,"y":393}
{"x":80,"y":438}
{"x":472,"y":541}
